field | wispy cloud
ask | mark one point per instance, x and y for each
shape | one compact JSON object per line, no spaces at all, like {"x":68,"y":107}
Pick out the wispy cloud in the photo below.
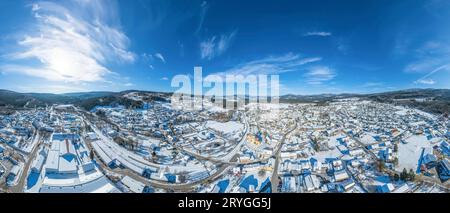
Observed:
{"x":54,"y":88}
{"x":318,"y":33}
{"x":430,"y":58}
{"x":372,"y":84}
{"x":423,"y":65}
{"x":149,"y":59}
{"x":319,"y":74}
{"x":216,"y":45}
{"x":375,"y":86}
{"x":401,"y":45}
{"x":343,"y":48}
{"x":271,"y":65}
{"x":128,"y":84}
{"x":72,"y":42}
{"x":425,"y":81}
{"x":165,"y":78}
{"x":203,"y":9}
{"x":160,"y":57}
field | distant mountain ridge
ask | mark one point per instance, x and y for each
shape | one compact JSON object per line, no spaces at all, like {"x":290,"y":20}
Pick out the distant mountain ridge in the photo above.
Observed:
{"x":16,"y":99}
{"x":439,"y":99}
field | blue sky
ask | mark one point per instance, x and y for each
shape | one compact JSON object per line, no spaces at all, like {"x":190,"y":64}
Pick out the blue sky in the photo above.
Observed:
{"x":314,"y":46}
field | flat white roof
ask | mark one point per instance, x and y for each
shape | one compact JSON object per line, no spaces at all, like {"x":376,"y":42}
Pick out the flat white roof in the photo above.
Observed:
{"x":65,"y":146}
{"x":15,"y":170}
{"x":39,"y":162}
{"x":101,"y":184}
{"x":52,"y":161}
{"x":55,"y":146}
{"x":98,"y":148}
{"x":67,"y":164}
{"x":134,"y":185}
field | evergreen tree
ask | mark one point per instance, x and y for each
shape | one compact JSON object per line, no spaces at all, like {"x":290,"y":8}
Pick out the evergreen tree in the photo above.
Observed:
{"x":395,"y":161}
{"x":411,"y":175}
{"x":396,"y":177}
{"x":404,"y":175}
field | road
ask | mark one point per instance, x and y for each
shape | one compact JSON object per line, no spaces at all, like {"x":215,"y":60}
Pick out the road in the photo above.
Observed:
{"x":371,"y":154}
{"x":275,"y":180}
{"x":22,"y":181}
{"x":391,"y":171}
{"x":223,"y":165}
{"x":184,"y":187}
{"x":233,"y":152}
{"x":160,"y":184}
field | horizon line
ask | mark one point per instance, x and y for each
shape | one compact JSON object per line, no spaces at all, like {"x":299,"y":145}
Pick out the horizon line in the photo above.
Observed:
{"x":287,"y":94}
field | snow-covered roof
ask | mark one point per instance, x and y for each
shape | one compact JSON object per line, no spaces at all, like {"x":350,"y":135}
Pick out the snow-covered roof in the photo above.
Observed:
{"x":402,"y":189}
{"x":67,"y":164}
{"x":52,"y":161}
{"x":134,"y":185}
{"x":98,"y":185}
{"x":38,"y":163}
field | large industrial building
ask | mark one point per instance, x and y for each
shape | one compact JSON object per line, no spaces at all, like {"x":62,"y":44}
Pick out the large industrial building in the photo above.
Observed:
{"x":68,"y":168}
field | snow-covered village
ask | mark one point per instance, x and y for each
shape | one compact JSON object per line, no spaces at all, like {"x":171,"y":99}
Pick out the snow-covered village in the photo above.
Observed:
{"x":344,"y":146}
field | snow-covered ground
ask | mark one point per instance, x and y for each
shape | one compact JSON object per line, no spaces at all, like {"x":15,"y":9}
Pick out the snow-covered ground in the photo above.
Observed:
{"x":212,"y":108}
{"x":333,"y":152}
{"x":268,"y":106}
{"x":228,"y":127}
{"x":321,"y":156}
{"x":403,"y":111}
{"x":409,"y":154}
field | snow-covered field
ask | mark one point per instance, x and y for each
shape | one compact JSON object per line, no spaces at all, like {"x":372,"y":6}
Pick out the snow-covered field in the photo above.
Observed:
{"x":404,"y":111}
{"x":228,"y":127}
{"x":212,"y":108}
{"x":409,"y":154}
{"x":322,"y":156}
{"x":401,"y":110}
{"x":333,"y":152}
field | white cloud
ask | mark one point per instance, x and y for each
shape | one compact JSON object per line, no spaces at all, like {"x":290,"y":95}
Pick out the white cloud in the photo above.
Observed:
{"x":270,"y":65}
{"x":35,"y":7}
{"x":431,"y":57}
{"x":53,"y":88}
{"x":318,"y":33}
{"x":147,"y":57}
{"x":72,"y":43}
{"x":160,"y":57}
{"x":128,"y":84}
{"x":207,"y":48}
{"x":215,"y":46}
{"x":423,"y":65}
{"x":425,"y":81}
{"x":319,"y":74}
{"x":165,"y":78}
{"x":426,"y":78}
